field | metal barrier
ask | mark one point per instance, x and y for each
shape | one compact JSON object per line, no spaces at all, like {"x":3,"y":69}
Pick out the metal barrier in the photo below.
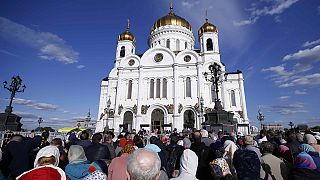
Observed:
{"x":6,"y":135}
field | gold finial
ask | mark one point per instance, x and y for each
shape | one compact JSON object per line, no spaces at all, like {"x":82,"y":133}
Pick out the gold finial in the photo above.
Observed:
{"x":206,"y":15}
{"x":128,"y":25}
{"x":171,"y":6}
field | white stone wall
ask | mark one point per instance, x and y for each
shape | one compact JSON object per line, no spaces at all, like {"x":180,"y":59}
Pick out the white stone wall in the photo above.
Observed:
{"x":175,"y":69}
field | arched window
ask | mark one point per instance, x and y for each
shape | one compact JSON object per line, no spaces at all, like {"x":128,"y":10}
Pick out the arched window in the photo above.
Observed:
{"x":151,"y":88}
{"x":209,"y":45}
{"x":122,"y":51}
{"x":177,"y":45}
{"x":188,"y":87}
{"x":233,"y":98}
{"x":185,"y":45}
{"x":129,"y":89}
{"x":168,"y":43}
{"x":158,"y":88}
{"x":164,"y":88}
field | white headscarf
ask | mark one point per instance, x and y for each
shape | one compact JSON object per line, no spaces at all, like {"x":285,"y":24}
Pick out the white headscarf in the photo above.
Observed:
{"x":229,"y":148}
{"x":48,"y":151}
{"x":76,"y":154}
{"x":189,"y":162}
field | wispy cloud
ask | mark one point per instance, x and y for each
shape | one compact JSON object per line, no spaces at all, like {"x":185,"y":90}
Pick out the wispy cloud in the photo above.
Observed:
{"x":289,"y":109}
{"x":300,"y":92}
{"x":35,"y":105}
{"x":296,"y":70}
{"x":49,"y":45}
{"x":284,"y":97}
{"x":8,"y":53}
{"x":309,"y":80}
{"x":311,"y":54}
{"x":308,"y":43}
{"x":26,"y":115}
{"x":265,"y":8}
{"x":81,"y":66}
{"x":189,"y":4}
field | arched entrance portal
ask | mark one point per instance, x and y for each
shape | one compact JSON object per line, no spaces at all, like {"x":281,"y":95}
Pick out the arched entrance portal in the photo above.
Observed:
{"x":157,"y":120}
{"x":189,"y":119}
{"x":127,"y":120}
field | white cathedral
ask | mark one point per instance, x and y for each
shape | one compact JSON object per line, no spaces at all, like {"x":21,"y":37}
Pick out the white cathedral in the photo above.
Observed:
{"x":165,"y":86}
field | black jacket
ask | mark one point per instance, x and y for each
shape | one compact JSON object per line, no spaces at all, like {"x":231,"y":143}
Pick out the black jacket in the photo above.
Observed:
{"x":96,"y":152}
{"x":15,"y":157}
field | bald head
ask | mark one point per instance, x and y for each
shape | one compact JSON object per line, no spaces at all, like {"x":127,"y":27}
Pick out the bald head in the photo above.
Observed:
{"x":143,"y":164}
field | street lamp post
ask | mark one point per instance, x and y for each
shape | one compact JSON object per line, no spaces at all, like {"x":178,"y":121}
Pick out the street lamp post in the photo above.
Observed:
{"x":40,"y":120}
{"x":214,"y":76}
{"x":291,"y":124}
{"x":260,"y":118}
{"x":14,"y":87}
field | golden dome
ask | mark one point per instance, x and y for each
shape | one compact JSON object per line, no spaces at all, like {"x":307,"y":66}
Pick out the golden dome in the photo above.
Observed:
{"x":126,"y":35}
{"x":207,"y":27}
{"x":171,"y":19}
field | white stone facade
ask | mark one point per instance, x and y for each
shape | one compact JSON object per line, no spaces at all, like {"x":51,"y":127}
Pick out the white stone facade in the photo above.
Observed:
{"x":178,"y":83}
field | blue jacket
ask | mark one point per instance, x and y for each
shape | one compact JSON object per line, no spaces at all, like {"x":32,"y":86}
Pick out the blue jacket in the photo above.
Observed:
{"x":78,"y":170}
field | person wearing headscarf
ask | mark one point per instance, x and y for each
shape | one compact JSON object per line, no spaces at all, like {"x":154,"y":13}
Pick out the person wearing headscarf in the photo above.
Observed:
{"x":219,"y":166}
{"x":305,"y":168}
{"x":118,"y":166}
{"x":312,"y":152}
{"x":188,"y":166}
{"x":285,"y":153}
{"x":311,"y":140}
{"x":247,"y":164}
{"x":78,"y":164}
{"x":122,"y":144}
{"x":45,"y":166}
{"x":229,"y":149}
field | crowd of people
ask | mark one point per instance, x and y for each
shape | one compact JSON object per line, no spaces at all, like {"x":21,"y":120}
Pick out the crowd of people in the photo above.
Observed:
{"x":188,"y":155}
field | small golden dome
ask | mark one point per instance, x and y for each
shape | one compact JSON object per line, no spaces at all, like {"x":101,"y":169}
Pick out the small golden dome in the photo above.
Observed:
{"x":207,"y":27}
{"x":171,"y":19}
{"x":126,"y":35}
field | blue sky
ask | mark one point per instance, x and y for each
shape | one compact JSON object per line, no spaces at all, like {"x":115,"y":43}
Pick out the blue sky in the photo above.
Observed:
{"x":63,"y":49}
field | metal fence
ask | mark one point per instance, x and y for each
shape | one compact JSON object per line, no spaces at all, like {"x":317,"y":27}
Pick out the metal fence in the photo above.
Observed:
{"x":6,"y":135}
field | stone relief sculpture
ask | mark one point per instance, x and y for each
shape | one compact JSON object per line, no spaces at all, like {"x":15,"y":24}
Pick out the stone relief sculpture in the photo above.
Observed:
{"x":207,"y":110}
{"x":196,"y":107}
{"x":180,"y":108}
{"x":111,"y":113}
{"x":120,"y":109}
{"x":169,"y":108}
{"x":144,"y":109}
{"x":134,"y":109}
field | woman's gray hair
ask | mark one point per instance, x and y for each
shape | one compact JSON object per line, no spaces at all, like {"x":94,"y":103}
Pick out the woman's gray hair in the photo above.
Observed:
{"x":143,"y":164}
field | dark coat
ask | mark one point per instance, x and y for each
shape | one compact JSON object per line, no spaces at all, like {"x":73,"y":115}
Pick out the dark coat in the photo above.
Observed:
{"x":15,"y":158}
{"x":97,"y":152}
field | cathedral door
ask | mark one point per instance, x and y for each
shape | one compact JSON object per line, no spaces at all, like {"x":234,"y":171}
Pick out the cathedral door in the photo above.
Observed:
{"x":157,"y":120}
{"x":189,"y":119}
{"x":127,"y":120}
